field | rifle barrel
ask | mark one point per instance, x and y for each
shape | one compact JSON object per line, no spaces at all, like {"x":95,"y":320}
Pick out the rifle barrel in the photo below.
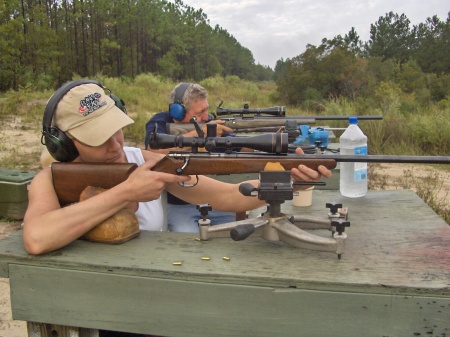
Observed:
{"x":329,"y":118}
{"x":383,"y":159}
{"x":319,"y":118}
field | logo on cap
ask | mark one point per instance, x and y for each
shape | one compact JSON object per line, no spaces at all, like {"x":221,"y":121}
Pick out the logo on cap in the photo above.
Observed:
{"x":91,"y":103}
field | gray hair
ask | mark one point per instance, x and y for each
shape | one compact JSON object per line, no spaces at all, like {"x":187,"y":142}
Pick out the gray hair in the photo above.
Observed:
{"x":193,"y":93}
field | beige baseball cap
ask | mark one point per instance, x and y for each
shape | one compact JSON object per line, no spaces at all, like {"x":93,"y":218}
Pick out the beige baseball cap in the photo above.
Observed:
{"x":89,"y":115}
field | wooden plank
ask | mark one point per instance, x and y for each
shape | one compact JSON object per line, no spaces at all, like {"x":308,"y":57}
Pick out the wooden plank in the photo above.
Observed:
{"x":184,"y":308}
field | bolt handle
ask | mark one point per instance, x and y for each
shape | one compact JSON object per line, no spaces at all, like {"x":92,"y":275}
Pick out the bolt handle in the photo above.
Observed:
{"x":242,"y":232}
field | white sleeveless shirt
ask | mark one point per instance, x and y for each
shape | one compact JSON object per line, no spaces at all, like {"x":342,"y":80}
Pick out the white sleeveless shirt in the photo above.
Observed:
{"x":150,"y":214}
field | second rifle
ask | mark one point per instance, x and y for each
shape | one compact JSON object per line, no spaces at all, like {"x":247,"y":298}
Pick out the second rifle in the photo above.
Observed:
{"x":261,"y":123}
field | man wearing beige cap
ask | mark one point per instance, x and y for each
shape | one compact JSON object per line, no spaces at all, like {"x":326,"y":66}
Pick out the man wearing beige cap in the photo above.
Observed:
{"x":83,"y":123}
{"x":91,"y":119}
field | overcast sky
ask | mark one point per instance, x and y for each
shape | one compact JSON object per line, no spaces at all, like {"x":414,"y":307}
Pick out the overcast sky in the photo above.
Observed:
{"x":275,"y":29}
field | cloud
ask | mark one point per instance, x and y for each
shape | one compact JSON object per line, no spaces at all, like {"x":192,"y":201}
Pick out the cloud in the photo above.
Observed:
{"x":272,"y":30}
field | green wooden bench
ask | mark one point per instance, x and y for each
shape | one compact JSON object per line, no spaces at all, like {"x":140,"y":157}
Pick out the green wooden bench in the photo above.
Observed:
{"x":392,"y":280}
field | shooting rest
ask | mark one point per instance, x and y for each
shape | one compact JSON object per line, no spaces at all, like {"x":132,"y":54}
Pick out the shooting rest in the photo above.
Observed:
{"x":275,"y":187}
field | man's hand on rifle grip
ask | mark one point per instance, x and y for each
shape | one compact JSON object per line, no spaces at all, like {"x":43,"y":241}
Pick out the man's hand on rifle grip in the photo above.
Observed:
{"x":304,"y":173}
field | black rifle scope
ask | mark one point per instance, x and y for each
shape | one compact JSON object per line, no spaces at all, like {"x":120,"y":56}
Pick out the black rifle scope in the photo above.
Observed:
{"x":274,"y":111}
{"x":269,"y":142}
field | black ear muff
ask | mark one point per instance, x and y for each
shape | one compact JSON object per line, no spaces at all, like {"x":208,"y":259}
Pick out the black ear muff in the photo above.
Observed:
{"x":119,"y":102}
{"x":177,"y":109}
{"x":58,"y":144}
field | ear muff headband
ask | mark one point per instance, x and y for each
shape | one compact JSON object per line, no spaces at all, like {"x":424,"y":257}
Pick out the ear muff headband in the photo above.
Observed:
{"x":59,"y":145}
{"x":177,"y":109}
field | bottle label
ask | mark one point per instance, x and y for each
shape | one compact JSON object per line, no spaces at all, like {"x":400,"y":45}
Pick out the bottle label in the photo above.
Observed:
{"x":360,"y":168}
{"x":360,"y":150}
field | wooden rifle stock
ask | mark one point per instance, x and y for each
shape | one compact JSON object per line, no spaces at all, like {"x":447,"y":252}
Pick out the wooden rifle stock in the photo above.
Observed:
{"x":219,"y":163}
{"x":70,"y":179}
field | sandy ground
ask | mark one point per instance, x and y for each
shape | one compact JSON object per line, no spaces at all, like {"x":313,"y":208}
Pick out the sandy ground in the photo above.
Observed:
{"x":19,"y":145}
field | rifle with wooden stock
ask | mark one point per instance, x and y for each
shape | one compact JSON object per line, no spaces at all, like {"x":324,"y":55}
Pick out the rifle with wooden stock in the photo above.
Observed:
{"x":260,"y":123}
{"x":70,"y":179}
{"x":258,"y":120}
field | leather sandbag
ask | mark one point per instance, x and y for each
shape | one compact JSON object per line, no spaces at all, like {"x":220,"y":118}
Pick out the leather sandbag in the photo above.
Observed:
{"x":119,"y":228}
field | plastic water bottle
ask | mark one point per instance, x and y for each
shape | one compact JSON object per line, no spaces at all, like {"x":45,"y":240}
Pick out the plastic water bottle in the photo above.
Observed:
{"x":353,"y":176}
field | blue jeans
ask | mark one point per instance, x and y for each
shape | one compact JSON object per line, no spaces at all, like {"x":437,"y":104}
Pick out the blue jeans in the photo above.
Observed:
{"x":184,"y":218}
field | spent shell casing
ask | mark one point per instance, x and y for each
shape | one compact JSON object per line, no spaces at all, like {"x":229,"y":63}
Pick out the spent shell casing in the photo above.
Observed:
{"x":205,"y":258}
{"x":177,"y":263}
{"x":226,"y":258}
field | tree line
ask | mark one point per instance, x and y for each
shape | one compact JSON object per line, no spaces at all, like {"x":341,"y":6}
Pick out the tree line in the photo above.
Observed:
{"x":397,"y":58}
{"x":46,"y":42}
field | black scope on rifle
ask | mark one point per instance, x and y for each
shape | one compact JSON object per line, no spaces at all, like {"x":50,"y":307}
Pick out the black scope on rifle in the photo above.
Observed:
{"x":269,"y":142}
{"x":273,"y":111}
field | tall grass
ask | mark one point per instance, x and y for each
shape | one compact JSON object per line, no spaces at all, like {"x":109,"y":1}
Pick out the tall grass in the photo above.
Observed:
{"x":427,"y":188}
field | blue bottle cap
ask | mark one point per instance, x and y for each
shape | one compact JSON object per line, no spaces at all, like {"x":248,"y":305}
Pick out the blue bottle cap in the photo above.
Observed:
{"x":353,"y":120}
